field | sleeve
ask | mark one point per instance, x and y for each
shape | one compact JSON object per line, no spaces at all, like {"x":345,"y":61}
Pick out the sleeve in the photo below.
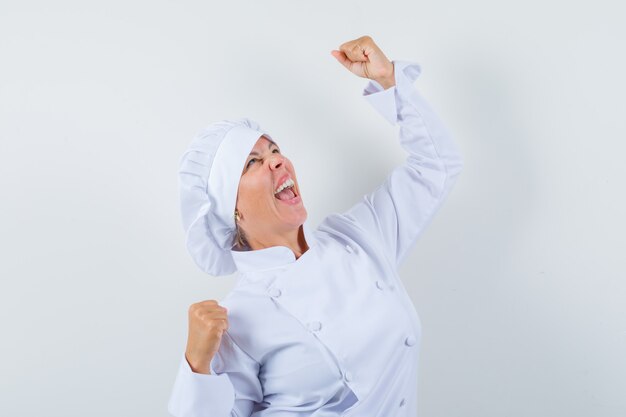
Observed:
{"x":398,"y":211}
{"x":231,"y":390}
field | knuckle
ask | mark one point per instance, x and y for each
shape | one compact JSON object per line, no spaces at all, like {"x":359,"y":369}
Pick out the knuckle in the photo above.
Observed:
{"x":201,"y":314}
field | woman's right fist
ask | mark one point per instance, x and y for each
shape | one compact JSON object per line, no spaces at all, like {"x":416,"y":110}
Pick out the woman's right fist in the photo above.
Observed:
{"x":207,"y":321}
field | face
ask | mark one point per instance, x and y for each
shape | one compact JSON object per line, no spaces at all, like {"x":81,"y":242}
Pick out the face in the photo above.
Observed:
{"x":263,"y":214}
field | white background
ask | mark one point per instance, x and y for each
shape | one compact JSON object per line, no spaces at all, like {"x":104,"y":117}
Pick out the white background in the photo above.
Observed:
{"x":517,"y":281}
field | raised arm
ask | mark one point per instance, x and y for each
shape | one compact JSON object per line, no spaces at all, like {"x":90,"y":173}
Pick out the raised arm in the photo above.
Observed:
{"x":399,"y":210}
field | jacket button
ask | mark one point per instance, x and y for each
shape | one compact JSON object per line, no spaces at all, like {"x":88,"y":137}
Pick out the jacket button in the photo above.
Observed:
{"x":380,"y":284}
{"x":402,"y":402}
{"x":275,"y":292}
{"x":349,"y":248}
{"x":410,"y":341}
{"x":348,"y":376}
{"x":315,"y":325}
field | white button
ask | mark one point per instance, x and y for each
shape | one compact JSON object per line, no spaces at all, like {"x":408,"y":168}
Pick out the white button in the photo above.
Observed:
{"x":410,"y":341}
{"x":380,"y":284}
{"x":347,"y":375}
{"x":315,"y":325}
{"x":349,"y":248}
{"x":275,"y":292}
{"x":402,"y":402}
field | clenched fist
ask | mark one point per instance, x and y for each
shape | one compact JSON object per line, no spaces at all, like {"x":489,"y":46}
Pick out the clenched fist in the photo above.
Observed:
{"x":207,"y":321}
{"x":364,"y":58}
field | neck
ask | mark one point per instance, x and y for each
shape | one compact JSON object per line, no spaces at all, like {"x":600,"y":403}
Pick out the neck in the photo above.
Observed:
{"x":293,"y":239}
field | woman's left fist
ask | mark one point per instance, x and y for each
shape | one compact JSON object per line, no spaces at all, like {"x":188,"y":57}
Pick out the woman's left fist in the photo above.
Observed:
{"x":364,"y":58}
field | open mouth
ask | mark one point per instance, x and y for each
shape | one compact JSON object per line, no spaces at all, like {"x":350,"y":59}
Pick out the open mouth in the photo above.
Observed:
{"x":288,"y":194}
{"x":294,"y":200}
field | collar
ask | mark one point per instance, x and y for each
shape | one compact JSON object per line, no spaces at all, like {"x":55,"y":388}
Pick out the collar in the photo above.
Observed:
{"x":272,"y":257}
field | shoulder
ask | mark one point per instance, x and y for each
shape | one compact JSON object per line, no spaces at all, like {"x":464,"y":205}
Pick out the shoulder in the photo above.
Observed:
{"x":343,"y":230}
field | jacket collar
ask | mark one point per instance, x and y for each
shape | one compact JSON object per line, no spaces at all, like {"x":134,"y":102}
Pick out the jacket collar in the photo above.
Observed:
{"x":272,"y":257}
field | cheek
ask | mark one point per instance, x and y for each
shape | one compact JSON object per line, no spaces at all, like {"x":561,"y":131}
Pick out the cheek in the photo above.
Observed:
{"x":252,"y":192}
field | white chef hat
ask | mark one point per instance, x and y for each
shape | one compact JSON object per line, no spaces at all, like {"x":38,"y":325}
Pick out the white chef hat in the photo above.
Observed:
{"x":209,"y":176}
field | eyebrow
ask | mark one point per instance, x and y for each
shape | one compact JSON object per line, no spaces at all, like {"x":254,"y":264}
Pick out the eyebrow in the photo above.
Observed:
{"x":268,"y":147}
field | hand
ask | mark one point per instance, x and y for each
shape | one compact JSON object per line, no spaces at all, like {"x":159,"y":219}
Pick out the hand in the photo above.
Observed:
{"x":364,"y":58}
{"x":207,"y":322}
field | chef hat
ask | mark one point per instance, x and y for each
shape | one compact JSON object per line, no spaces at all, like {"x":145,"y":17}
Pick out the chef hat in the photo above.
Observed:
{"x":209,"y":176}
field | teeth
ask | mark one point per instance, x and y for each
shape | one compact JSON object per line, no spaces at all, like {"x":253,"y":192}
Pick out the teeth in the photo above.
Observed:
{"x":288,"y":183}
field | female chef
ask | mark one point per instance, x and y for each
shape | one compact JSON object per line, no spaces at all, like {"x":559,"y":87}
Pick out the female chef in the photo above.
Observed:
{"x":319,"y":322}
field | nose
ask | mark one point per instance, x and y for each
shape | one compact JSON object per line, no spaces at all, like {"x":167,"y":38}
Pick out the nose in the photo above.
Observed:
{"x":276,"y":161}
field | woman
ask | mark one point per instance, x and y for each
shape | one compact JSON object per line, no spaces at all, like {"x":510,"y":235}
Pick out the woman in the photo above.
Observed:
{"x":319,"y":322}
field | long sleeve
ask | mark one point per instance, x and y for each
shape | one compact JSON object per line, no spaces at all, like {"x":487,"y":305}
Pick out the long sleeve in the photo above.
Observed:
{"x":232,"y":388}
{"x":398,"y":211}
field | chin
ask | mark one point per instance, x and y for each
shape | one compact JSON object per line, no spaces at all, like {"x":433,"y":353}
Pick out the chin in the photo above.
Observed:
{"x":297,"y":219}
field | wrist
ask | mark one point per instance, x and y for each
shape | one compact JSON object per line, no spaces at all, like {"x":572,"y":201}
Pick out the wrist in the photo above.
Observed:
{"x":199,"y":366}
{"x":389,"y":80}
{"x":386,"y":82}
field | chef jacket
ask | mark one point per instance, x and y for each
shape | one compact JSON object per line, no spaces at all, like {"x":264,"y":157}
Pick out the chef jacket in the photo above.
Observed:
{"x":334,"y":333}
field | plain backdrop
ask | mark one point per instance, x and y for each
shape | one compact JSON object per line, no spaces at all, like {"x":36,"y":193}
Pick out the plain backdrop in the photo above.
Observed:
{"x":518,"y":281}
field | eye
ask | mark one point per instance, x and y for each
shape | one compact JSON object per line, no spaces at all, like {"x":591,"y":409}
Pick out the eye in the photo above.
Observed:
{"x":254,"y":159}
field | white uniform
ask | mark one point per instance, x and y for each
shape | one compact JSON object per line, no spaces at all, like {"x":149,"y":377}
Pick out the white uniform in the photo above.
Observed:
{"x":334,"y":333}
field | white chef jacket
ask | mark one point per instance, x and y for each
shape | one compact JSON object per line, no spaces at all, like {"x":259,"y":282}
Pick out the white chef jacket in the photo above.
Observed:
{"x":334,"y":333}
